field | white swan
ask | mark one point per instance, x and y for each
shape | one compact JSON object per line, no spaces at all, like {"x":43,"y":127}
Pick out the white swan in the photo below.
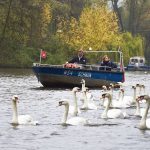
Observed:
{"x":74,"y":120}
{"x":83,"y":83}
{"x":117,"y":102}
{"x":89,"y":95}
{"x":88,"y":100}
{"x":104,"y":90}
{"x":139,"y":111}
{"x":21,"y":119}
{"x":145,"y":123}
{"x":74,"y":110}
{"x":141,"y":91}
{"x":112,"y":113}
{"x":127,"y":100}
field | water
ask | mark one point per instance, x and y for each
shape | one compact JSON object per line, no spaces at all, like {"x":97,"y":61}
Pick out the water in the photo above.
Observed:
{"x":41,"y":104}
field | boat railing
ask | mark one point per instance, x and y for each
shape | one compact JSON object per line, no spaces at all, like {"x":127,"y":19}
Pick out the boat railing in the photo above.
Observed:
{"x":93,"y":67}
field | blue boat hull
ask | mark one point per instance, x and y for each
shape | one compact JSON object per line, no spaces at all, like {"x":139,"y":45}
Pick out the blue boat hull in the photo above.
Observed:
{"x":69,"y":77}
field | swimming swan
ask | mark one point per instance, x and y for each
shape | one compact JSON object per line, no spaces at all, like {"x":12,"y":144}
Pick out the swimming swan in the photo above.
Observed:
{"x":117,"y":102}
{"x":21,"y":119}
{"x":74,"y":120}
{"x":89,"y":95}
{"x":125,"y":100}
{"x":145,"y":123}
{"x":74,"y":110}
{"x":112,"y":113}
{"x":88,"y":101}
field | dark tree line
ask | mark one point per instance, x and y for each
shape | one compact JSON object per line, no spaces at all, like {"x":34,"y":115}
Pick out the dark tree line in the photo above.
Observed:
{"x":28,"y":25}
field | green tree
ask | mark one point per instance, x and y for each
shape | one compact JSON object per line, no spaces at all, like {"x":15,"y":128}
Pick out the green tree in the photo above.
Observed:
{"x":97,"y":28}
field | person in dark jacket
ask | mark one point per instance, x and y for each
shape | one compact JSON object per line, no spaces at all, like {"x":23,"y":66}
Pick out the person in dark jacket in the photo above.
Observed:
{"x":107,"y":63}
{"x":79,"y":59}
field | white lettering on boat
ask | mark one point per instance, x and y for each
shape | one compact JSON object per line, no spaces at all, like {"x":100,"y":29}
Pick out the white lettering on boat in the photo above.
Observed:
{"x":84,"y":74}
{"x":68,"y":72}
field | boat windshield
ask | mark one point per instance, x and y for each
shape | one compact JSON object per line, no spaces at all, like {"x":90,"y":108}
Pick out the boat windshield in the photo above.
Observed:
{"x":95,"y":58}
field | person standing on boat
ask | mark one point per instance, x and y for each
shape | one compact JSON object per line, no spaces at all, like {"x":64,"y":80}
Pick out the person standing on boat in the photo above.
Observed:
{"x":108,"y":65}
{"x":79,"y":59}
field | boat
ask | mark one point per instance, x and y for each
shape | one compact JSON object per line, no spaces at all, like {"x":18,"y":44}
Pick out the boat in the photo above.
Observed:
{"x":70,"y":75}
{"x":137,"y":63}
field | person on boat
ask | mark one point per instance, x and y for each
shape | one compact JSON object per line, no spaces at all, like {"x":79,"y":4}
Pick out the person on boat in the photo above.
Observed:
{"x":79,"y":59}
{"x":107,"y":63}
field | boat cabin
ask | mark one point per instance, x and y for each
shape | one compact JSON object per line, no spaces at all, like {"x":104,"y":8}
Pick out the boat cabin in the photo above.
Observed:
{"x":137,"y":61}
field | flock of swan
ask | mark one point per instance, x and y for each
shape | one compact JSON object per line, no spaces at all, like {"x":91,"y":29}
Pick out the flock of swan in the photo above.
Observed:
{"x":112,"y":104}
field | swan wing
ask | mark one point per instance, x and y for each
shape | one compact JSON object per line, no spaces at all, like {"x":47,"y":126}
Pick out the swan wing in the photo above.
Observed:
{"x":26,"y":120}
{"x":77,"y":121}
{"x":90,"y":97}
{"x":72,"y":109}
{"x":148,"y":123}
{"x":118,"y":104}
{"x":129,"y":100}
{"x":92,"y":106}
{"x":115,"y":113}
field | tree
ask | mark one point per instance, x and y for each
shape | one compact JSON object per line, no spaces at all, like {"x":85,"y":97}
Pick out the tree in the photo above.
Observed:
{"x":118,"y":13}
{"x":136,"y":18}
{"x":97,"y":28}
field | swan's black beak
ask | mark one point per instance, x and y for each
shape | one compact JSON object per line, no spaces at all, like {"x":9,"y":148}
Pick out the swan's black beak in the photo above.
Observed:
{"x":137,"y":85}
{"x":103,"y":95}
{"x":60,"y":103}
{"x":78,"y":89}
{"x":122,"y":90}
{"x":15,"y":98}
{"x":139,"y":98}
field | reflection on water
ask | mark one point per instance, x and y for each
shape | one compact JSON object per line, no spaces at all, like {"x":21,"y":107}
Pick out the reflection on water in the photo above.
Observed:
{"x":41,"y":104}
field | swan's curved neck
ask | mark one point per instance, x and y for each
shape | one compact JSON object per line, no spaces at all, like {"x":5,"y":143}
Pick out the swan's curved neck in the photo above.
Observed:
{"x":134,"y":95}
{"x":64,"y":120}
{"x":107,"y":106}
{"x":85,"y":100}
{"x":121,"y":95}
{"x":143,"y":120}
{"x":75,"y":104}
{"x":83,"y":85}
{"x":137,"y":112}
{"x":15,"y":113}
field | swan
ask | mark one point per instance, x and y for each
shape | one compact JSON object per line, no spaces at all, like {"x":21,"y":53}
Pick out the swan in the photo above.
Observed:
{"x":85,"y":102}
{"x":108,"y":90}
{"x":128,"y":100}
{"x":144,"y":122}
{"x":88,"y":94}
{"x":117,"y":102}
{"x":139,"y":111}
{"x":83,"y":83}
{"x":83,"y":86}
{"x":112,"y":113}
{"x":74,"y":120}
{"x":88,"y":100}
{"x":74,"y":110}
{"x":141,"y":91}
{"x":21,"y":119}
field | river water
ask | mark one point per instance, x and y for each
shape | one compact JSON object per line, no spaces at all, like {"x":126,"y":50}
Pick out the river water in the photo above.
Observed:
{"x":41,"y":104}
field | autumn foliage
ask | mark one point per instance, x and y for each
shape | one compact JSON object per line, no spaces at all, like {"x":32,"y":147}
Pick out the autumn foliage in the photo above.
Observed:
{"x":96,"y":28}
